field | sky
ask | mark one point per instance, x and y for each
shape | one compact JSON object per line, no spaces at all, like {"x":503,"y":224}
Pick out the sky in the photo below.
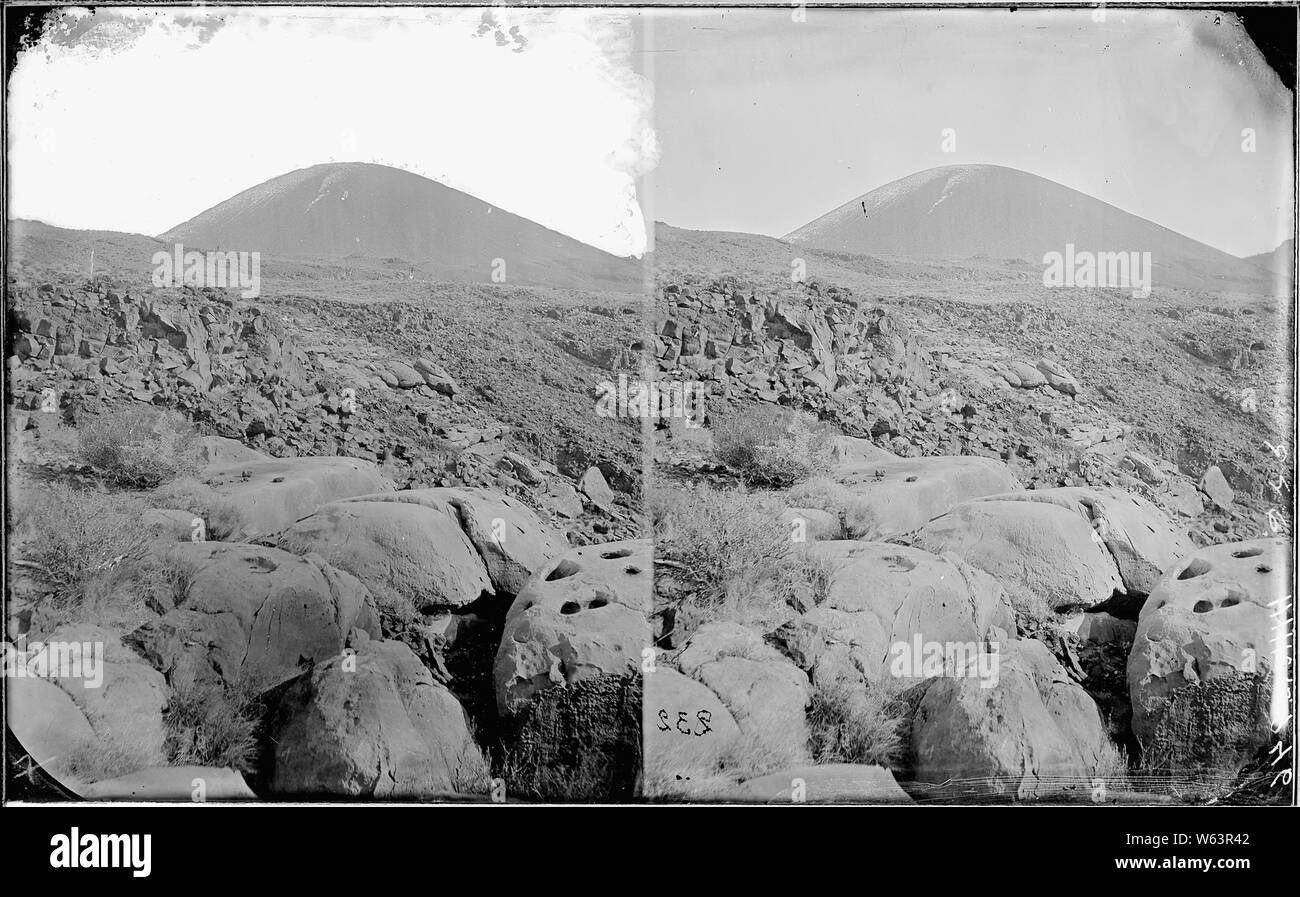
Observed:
{"x":593,"y":122}
{"x":766,"y":123}
{"x":137,"y":120}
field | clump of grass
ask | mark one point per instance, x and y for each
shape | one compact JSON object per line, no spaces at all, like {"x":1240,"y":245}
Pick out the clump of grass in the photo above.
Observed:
{"x":210,"y":723}
{"x":858,"y":520}
{"x":772,"y":446}
{"x":221,"y":520}
{"x":100,"y":758}
{"x":85,"y":548}
{"x":140,"y":447}
{"x":730,"y":555}
{"x":849,"y":724}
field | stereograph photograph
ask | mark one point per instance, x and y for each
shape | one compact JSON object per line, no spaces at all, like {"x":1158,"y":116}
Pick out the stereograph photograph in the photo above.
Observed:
{"x":783,"y":404}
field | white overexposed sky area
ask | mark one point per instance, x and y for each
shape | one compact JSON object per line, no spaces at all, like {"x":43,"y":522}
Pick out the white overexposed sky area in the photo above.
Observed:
{"x":766,"y":123}
{"x":750,"y":121}
{"x":137,"y":120}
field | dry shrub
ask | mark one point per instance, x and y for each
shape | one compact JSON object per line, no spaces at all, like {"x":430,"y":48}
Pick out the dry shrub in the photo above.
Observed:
{"x":772,"y":446}
{"x":849,"y":724}
{"x":86,"y":548}
{"x":210,"y":723}
{"x":140,"y":447}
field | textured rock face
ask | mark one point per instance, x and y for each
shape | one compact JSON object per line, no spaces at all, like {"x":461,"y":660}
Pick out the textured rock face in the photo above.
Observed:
{"x":1141,"y":538}
{"x":512,"y":542}
{"x":882,"y":596}
{"x":1216,"y":487}
{"x":579,"y":742}
{"x":373,"y":724}
{"x":889,"y":498}
{"x":581,"y":616}
{"x":270,"y":495}
{"x":1039,"y":551}
{"x":1034,"y":733}
{"x":409,"y":551}
{"x":252,"y":612}
{"x":1201,"y":669}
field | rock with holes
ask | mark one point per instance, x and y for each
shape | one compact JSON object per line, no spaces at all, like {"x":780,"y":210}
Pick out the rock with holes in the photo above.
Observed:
{"x":889,"y":498}
{"x":270,"y":494}
{"x":765,"y":693}
{"x":1042,"y":553}
{"x":1141,"y":538}
{"x":249,"y":612}
{"x":888,"y":606}
{"x":377,"y":725}
{"x":830,"y":783}
{"x":411,"y":552}
{"x":686,"y":727}
{"x":1027,"y":731}
{"x":122,"y":696}
{"x":1201,"y":668}
{"x":512,"y":541}
{"x":581,"y":616}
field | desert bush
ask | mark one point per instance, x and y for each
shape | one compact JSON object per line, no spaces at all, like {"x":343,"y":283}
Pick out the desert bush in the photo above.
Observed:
{"x":730,"y":555}
{"x":718,"y":543}
{"x":139,"y":448}
{"x":221,"y":519}
{"x":855,"y":725}
{"x":210,"y":723}
{"x":85,"y":548}
{"x":772,"y":446}
{"x":95,"y":760}
{"x":857,"y":518}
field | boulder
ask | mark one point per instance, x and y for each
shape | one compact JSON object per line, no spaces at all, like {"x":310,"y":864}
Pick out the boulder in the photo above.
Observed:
{"x":511,"y":540}
{"x":374,"y":724}
{"x":826,"y":784}
{"x":122,"y":697}
{"x":47,"y":724}
{"x":1058,"y":377}
{"x":766,"y":694}
{"x":1039,"y":551}
{"x":1033,"y":733}
{"x":1215,"y":485}
{"x":408,"y":551}
{"x":1029,"y":376}
{"x":248,"y":612}
{"x":435,"y":377}
{"x":1141,"y":538}
{"x":593,"y":486}
{"x":1201,"y":669}
{"x":582,"y":615}
{"x":270,"y":495}
{"x":883,"y":598}
{"x":889,"y":498}
{"x":686,"y":727}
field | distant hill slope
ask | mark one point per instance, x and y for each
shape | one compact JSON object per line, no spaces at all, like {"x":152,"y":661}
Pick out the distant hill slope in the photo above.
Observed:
{"x":959,"y":211}
{"x":1279,"y":260}
{"x":360,"y":209}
